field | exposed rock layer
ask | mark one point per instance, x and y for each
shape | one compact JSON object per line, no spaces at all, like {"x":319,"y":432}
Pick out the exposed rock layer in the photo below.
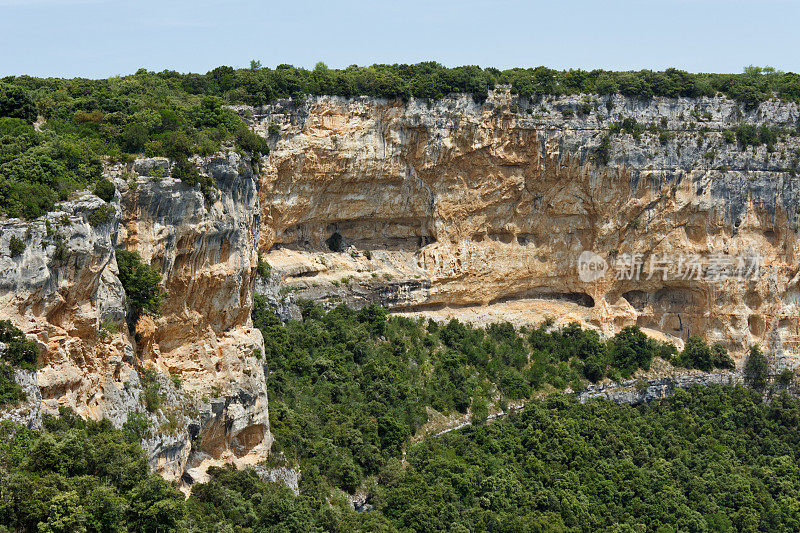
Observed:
{"x":456,"y":203}
{"x":211,"y":405}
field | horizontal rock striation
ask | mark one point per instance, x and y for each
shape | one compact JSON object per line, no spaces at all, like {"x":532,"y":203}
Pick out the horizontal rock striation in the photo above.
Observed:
{"x":449,"y":203}
{"x":634,"y":392}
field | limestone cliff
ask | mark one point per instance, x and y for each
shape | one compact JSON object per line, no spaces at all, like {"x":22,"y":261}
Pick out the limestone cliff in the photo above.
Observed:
{"x":455,"y":203}
{"x":448,"y":208}
{"x":64,"y":291}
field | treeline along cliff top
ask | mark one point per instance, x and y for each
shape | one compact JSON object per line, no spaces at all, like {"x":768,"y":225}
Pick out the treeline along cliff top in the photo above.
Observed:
{"x":83,"y":121}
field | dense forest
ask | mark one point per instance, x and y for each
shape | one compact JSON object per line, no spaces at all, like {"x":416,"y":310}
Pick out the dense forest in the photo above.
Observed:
{"x":348,"y":388}
{"x":707,"y":459}
{"x":85,"y":121}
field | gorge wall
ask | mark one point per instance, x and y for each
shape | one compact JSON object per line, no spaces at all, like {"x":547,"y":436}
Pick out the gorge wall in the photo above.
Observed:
{"x":455,"y":203}
{"x":208,"y":391}
{"x":427,"y":208}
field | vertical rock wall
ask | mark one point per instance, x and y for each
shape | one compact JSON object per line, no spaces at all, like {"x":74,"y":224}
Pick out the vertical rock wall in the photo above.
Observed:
{"x":454,"y":203}
{"x":64,"y":292}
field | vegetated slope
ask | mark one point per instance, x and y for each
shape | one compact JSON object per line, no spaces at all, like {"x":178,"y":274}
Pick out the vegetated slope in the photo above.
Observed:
{"x":86,"y":121}
{"x":178,"y":115}
{"x":710,"y":459}
{"x":713,"y":458}
{"x":348,"y":388}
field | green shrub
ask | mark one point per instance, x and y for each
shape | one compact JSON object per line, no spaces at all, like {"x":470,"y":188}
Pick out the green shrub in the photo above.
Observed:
{"x":10,"y":391}
{"x":15,"y":102}
{"x":729,"y":136}
{"x":187,"y":172}
{"x":151,"y":389}
{"x":631,"y":349}
{"x":720,"y":357}
{"x":263,"y":269}
{"x":747,"y":135}
{"x":15,"y":246}
{"x":61,"y":250}
{"x":602,"y":153}
{"x":101,"y":215}
{"x":785,"y":377}
{"x":104,"y":189}
{"x":137,"y":427}
{"x":752,"y":135}
{"x":273,"y":129}
{"x":696,"y":354}
{"x":630,"y":125}
{"x":251,"y":142}
{"x":19,"y":352}
{"x":142,"y":283}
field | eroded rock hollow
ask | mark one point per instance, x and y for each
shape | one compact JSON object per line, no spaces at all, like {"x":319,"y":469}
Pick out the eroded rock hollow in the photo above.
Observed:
{"x":458,"y":203}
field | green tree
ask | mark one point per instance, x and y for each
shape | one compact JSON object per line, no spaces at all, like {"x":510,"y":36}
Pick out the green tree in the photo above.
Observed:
{"x":142,"y":283}
{"x":756,"y":369}
{"x":104,"y":189}
{"x":15,"y":246}
{"x":15,"y":102}
{"x":10,"y":391}
{"x":696,"y":354}
{"x":19,"y":352}
{"x":631,"y":349}
{"x":154,"y":505}
{"x":720,"y":357}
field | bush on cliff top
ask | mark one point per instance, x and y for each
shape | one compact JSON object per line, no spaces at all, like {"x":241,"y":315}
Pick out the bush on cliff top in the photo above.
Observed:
{"x":110,"y":103}
{"x":88,"y":120}
{"x":15,"y":102}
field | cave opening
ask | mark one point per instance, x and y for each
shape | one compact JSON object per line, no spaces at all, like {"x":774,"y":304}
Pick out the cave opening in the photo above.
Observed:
{"x":335,"y":242}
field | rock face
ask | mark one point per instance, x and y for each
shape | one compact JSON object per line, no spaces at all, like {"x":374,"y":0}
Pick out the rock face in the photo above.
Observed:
{"x":198,"y":357}
{"x":422,"y":205}
{"x":206,"y":252}
{"x":634,"y":392}
{"x":61,"y":290}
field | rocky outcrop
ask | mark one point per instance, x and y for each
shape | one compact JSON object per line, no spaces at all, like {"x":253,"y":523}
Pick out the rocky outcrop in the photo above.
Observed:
{"x":198,"y":360}
{"x":424,"y":204}
{"x":634,"y":392}
{"x":63,"y":291}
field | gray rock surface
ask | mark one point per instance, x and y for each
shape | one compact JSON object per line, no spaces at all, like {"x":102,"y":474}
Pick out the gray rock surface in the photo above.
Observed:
{"x":64,"y":290}
{"x":634,"y":392}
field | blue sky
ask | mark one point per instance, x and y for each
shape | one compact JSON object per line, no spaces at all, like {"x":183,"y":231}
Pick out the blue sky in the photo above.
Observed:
{"x":98,"y":38}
